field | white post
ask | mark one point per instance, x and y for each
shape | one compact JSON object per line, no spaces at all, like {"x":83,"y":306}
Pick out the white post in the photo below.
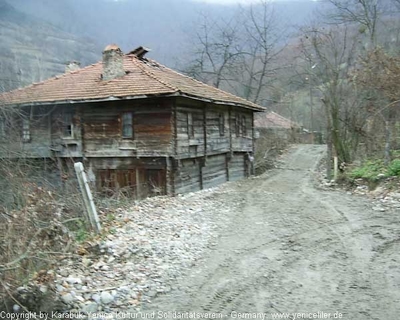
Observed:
{"x":335,"y":168}
{"x":87,"y":197}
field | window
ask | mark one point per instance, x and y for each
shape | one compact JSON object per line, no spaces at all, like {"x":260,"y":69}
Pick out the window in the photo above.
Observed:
{"x":243,"y":125}
{"x":26,"y":130}
{"x":190,"y":127}
{"x":67,"y":125}
{"x":127,"y":125}
{"x":237,"y":125}
{"x":221,"y":124}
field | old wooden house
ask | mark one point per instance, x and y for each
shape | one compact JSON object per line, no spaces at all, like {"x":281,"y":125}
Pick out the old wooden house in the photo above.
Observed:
{"x":137,"y":125}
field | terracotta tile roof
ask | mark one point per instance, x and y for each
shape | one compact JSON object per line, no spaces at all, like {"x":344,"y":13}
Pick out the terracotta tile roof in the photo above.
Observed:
{"x":274,"y":120}
{"x":144,"y":77}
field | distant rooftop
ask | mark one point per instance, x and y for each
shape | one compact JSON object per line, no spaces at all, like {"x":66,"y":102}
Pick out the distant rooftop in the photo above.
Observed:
{"x":274,"y":121}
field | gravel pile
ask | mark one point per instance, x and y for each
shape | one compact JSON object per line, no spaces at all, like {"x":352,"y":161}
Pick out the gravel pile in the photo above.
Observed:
{"x":146,"y":249}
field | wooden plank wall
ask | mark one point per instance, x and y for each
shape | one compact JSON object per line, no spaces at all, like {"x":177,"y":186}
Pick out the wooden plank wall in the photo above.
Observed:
{"x":12,"y":144}
{"x":151,"y":125}
{"x":206,"y":117}
{"x":142,"y":177}
{"x":66,"y":147}
{"x":223,"y":154}
{"x":237,"y":167}
{"x":187,"y":176}
{"x":214,"y":172}
{"x":244,"y":141}
{"x":193,"y":145}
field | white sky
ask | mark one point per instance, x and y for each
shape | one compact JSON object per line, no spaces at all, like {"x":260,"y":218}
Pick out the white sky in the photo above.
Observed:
{"x":229,"y":1}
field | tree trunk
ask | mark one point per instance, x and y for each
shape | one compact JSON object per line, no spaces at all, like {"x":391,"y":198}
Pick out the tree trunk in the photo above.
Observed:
{"x":387,"y":142}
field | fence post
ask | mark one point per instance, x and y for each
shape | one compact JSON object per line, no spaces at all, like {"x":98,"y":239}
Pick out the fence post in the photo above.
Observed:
{"x":90,"y":209}
{"x":335,"y":168}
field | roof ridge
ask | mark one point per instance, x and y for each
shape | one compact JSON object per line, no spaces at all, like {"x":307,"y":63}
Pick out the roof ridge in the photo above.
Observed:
{"x":150,"y":74}
{"x":210,"y":86}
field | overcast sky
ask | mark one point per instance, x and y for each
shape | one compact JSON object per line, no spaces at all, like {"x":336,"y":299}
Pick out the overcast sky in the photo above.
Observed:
{"x":229,"y":1}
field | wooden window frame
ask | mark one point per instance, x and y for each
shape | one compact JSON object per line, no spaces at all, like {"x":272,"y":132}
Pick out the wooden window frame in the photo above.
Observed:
{"x":237,"y":125}
{"x":26,"y":130}
{"x":243,"y":126}
{"x":221,"y":124}
{"x":125,"y":125}
{"x":189,"y":125}
{"x":67,"y":129}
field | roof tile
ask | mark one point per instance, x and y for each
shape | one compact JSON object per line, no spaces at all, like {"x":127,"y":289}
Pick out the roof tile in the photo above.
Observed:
{"x":143,"y":77}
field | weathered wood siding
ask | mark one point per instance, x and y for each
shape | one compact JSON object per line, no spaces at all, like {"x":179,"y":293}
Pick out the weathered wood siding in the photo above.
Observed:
{"x":188,"y":176}
{"x":189,"y":144}
{"x":152,"y":134}
{"x":215,"y":171}
{"x":63,"y":145}
{"x":236,"y":167}
{"x":241,"y":141}
{"x":12,"y":144}
{"x":203,"y":135}
{"x":138,"y":178}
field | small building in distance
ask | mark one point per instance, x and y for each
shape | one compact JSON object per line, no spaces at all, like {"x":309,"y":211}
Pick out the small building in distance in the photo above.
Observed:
{"x":274,"y":124}
{"x":138,"y":126}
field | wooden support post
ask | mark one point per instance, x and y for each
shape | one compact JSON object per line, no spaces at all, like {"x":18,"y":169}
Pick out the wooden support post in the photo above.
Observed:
{"x":90,"y":208}
{"x":335,"y":168}
{"x":137,"y":184}
{"x":205,"y":130}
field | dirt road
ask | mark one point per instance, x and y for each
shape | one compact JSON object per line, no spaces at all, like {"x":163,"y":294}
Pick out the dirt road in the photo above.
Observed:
{"x":294,"y":248}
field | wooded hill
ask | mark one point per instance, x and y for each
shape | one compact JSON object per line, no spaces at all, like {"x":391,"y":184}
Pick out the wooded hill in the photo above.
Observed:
{"x":32,"y":50}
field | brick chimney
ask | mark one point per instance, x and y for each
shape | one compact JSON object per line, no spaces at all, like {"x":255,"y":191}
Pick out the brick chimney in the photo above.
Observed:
{"x":113,"y":62}
{"x":72,"y":66}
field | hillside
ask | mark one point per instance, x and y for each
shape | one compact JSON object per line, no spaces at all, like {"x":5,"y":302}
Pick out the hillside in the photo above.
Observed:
{"x":168,"y":27}
{"x":33,"y":50}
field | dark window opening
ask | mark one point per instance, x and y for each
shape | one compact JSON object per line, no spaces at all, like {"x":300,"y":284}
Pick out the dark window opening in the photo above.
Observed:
{"x":237,"y":125}
{"x":26,"y":130}
{"x":244,"y":128}
{"x":127,"y":125}
{"x":67,"y":126}
{"x":221,"y":124}
{"x":190,"y":127}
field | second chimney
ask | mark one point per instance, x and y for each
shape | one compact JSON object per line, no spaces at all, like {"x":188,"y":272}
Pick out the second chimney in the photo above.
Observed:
{"x":72,"y":66}
{"x":113,"y":62}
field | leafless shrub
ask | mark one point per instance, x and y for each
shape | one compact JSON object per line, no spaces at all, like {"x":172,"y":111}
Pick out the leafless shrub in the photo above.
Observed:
{"x":31,"y":240}
{"x":268,"y":147}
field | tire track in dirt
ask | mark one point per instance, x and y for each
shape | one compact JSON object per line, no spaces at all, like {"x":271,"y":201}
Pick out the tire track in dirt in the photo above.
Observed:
{"x":295,"y":248}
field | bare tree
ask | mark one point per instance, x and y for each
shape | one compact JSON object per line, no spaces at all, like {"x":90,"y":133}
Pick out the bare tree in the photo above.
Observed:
{"x":366,"y":13}
{"x":238,"y":54}
{"x":332,"y":52}
{"x":265,"y":42}
{"x":218,"y":50}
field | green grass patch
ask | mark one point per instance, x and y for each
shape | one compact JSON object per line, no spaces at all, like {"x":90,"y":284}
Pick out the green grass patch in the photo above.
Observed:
{"x":373,"y":170}
{"x":370,"y":170}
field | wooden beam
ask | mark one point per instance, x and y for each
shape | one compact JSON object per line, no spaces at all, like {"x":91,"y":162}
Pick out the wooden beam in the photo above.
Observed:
{"x":137,"y":184}
{"x":230,"y":129}
{"x":205,"y":130}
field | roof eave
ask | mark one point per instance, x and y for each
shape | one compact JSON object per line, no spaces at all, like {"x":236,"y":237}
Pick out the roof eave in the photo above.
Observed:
{"x":112,"y":98}
{"x":221,"y":102}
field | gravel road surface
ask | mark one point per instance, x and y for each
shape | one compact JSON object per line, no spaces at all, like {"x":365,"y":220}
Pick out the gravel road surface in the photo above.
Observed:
{"x":291,"y":247}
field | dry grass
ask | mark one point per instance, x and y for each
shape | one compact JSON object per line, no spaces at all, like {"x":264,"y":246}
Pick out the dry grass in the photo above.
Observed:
{"x":268,"y":148}
{"x":34,"y":232}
